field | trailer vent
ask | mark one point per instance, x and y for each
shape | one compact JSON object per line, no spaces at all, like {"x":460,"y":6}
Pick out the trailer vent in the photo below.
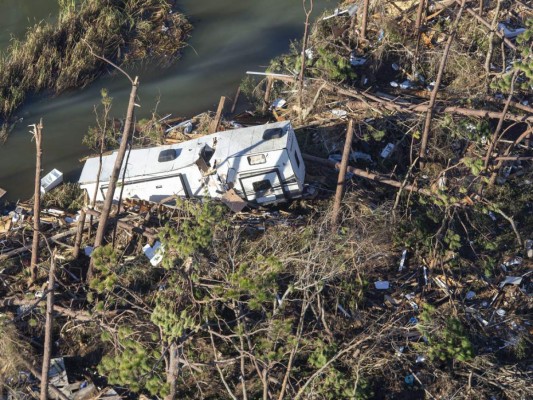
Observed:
{"x":168,"y":155}
{"x":273,"y":133}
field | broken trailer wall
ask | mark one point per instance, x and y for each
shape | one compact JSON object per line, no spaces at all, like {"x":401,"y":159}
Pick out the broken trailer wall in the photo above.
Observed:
{"x":262,"y":164}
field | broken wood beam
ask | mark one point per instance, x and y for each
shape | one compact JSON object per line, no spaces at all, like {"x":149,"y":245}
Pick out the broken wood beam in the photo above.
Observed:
{"x":367,"y":175}
{"x":24,"y":249}
{"x":268,"y":89}
{"x":235,"y":100}
{"x":216,"y":122}
{"x":127,"y":226}
{"x":342,"y":176}
{"x":440,"y":109}
{"x":279,"y":77}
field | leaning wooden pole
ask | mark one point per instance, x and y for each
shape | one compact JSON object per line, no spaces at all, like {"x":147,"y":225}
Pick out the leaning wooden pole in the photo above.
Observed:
{"x":48,"y":329}
{"x":108,"y":201}
{"x":364,"y":21}
{"x":37,"y":135}
{"x":342,"y":176}
{"x":433,"y":97}
{"x":303,"y":56}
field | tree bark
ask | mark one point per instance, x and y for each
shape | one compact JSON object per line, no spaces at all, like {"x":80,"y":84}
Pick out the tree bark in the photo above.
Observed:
{"x":79,"y":234}
{"x":342,"y":176}
{"x":364,"y":21}
{"x":108,"y":201}
{"x":433,"y":98}
{"x":496,"y":133}
{"x":48,"y":329}
{"x":37,"y":135}
{"x":420,"y":11}
{"x":304,"y":47}
{"x":491,"y":37}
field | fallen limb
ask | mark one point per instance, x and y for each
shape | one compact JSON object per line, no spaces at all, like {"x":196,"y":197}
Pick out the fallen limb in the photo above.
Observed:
{"x":368,"y":175}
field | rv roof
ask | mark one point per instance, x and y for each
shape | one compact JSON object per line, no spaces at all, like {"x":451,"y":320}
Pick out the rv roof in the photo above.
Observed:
{"x":236,"y":142}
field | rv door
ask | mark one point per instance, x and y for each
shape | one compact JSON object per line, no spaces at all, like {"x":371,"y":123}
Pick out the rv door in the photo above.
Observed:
{"x":262,"y":188}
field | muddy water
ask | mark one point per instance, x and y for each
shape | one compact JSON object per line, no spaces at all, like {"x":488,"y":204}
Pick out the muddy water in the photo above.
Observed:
{"x":230,"y":37}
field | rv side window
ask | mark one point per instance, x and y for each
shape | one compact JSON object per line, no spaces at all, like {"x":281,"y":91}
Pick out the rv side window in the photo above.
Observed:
{"x":168,"y":155}
{"x":257,"y":159}
{"x":273,"y":133}
{"x":297,"y":158}
{"x":261,"y":186}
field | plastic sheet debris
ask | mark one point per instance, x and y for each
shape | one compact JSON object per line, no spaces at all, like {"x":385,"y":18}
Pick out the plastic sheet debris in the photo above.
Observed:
{"x":342,"y":310}
{"x":420,"y":359}
{"x":358,"y":155}
{"x":337,"y":12}
{"x":501,"y":312}
{"x":510,"y":263}
{"x":529,"y":248}
{"x":155,"y":253}
{"x":508,"y":32}
{"x":492,"y":216}
{"x":381,"y":35}
{"x":278,"y":104}
{"x":470,"y":295}
{"x":382,"y":285}
{"x":356,"y":61}
{"x":407,"y":84}
{"x":413,"y":321}
{"x":395,"y":67}
{"x":431,"y":86}
{"x":409,"y":380}
{"x":402,"y":260}
{"x":88,"y":250}
{"x":394,"y":84}
{"x":310,"y":54}
{"x":339,"y":113}
{"x":511,"y":280}
{"x":387,"y":150}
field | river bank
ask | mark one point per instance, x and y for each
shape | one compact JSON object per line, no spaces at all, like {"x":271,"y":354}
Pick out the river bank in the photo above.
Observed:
{"x":248,"y":36}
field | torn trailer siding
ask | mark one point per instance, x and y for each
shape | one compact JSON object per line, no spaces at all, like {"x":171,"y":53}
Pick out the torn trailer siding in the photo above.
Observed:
{"x":261,"y":164}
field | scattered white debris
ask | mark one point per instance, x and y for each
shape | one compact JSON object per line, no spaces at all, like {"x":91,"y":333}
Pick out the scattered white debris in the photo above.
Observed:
{"x":339,"y":113}
{"x":279,"y":103}
{"x":88,"y":250}
{"x":356,"y":61}
{"x":442,"y":182}
{"x":402,"y":261}
{"x":395,"y":67}
{"x":529,"y":248}
{"x":420,"y":359}
{"x":394,"y":84}
{"x":407,"y":84}
{"x":342,"y":310}
{"x":382,"y":285}
{"x":387,"y":150}
{"x":309,"y":53}
{"x":501,"y":312}
{"x":511,"y":280}
{"x":155,"y":253}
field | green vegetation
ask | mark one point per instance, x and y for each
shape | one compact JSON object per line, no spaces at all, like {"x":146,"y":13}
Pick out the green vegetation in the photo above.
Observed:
{"x":57,"y":57}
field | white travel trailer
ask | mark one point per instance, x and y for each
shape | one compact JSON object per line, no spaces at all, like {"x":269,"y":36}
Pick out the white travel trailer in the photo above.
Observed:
{"x":261,"y":164}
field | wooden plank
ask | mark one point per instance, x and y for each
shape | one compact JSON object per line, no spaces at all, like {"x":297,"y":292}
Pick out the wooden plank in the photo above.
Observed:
{"x":214,"y":125}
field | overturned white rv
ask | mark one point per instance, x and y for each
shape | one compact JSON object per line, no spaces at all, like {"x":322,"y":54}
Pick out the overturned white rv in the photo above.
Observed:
{"x":261,"y":164}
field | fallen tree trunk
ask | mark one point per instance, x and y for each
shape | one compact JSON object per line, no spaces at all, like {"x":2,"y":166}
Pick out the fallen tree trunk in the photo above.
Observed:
{"x":368,"y":175}
{"x":441,"y":109}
